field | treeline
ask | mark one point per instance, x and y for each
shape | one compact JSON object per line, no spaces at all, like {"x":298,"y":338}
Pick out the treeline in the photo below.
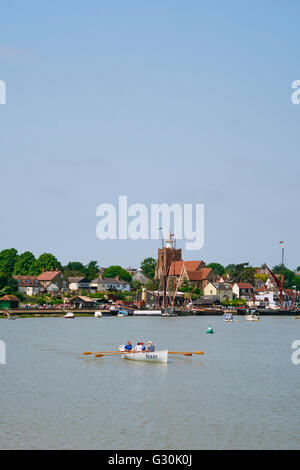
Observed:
{"x":28,"y":265}
{"x":244,"y":273}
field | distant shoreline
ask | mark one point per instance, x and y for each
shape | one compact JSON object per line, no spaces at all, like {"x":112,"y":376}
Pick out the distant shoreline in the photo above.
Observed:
{"x":39,"y":313}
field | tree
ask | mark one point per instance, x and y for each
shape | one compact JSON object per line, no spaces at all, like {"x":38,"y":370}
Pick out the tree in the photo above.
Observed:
{"x":136,"y":285}
{"x":75,"y":268}
{"x":241,"y":272}
{"x":290,"y":278}
{"x":8,"y":259}
{"x":45,"y":262}
{"x":217,"y":268}
{"x":148,"y":267}
{"x":8,"y":285}
{"x":24,"y":263}
{"x":92,"y":270}
{"x":114,"y":271}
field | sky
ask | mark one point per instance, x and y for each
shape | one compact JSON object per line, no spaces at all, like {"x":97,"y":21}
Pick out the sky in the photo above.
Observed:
{"x":162,"y":101}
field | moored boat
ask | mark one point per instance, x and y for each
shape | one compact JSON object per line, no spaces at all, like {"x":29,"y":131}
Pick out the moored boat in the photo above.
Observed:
{"x":228,"y":317}
{"x":69,"y":315}
{"x":252,"y":317}
{"x":156,"y":356}
{"x":98,"y":314}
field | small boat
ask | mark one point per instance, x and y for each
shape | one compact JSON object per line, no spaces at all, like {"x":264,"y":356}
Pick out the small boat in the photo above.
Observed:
{"x":98,"y":314}
{"x":122,"y":313}
{"x":209,"y":330}
{"x":156,"y":356}
{"x":252,"y":317}
{"x":228,"y":317}
{"x":69,"y":315}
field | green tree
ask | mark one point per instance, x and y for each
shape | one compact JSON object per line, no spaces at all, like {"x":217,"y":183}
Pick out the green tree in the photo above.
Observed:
{"x":114,"y":271}
{"x":75,"y":268}
{"x":8,"y":285}
{"x":8,"y":259}
{"x":217,"y":268}
{"x":290,"y":279}
{"x":148,"y":267}
{"x":45,"y":262}
{"x":241,"y":272}
{"x":24,"y":263}
{"x":92,"y":270}
{"x":135,"y":285}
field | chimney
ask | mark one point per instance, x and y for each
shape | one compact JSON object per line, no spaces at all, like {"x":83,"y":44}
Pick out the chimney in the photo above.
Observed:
{"x":118,"y":278}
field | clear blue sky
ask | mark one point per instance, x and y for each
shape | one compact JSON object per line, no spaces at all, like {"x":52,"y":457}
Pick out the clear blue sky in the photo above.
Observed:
{"x":163,"y":101}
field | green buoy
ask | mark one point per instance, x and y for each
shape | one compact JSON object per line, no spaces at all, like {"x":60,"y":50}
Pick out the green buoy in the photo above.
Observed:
{"x":209,"y":330}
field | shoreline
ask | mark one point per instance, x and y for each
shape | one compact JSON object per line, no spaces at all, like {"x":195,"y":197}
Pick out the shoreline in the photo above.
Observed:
{"x":90,"y":313}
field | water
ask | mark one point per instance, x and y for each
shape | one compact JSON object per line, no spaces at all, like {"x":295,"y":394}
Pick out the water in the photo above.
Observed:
{"x":243,"y":393}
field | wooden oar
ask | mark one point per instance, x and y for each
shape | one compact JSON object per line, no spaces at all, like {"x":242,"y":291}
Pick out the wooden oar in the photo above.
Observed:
{"x":86,"y":353}
{"x":112,"y":354}
{"x":186,"y":353}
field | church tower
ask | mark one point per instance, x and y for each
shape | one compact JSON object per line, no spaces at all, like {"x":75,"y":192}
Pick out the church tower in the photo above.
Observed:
{"x":166,"y":255}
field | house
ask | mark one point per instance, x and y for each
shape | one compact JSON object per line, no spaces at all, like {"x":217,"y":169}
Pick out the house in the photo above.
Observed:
{"x":259,"y":283}
{"x":131,"y":271}
{"x":81,"y":301}
{"x":195,"y":272}
{"x":266,"y":297}
{"x":221,"y":290}
{"x":115,"y":283}
{"x":53,"y":277}
{"x":9,"y":301}
{"x":28,"y":285}
{"x":78,"y":283}
{"x":271,"y":283}
{"x":140,"y":277}
{"x":243,"y":290}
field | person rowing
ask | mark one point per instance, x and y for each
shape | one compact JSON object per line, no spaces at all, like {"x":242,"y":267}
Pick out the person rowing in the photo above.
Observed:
{"x":139,"y":347}
{"x":150,"y":347}
{"x":128,"y":346}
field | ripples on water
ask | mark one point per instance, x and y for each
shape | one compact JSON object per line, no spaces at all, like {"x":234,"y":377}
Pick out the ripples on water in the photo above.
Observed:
{"x":243,"y":393}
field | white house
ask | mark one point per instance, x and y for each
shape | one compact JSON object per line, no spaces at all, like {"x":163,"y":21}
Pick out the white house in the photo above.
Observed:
{"x":243,"y":290}
{"x":28,"y":285}
{"x":115,"y":283}
{"x":77,"y":283}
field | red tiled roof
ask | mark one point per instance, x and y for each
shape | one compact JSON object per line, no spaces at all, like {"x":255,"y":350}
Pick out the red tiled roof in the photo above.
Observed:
{"x":244,"y":285}
{"x":23,"y":281}
{"x":200,"y":275}
{"x":176,"y":266}
{"x":48,"y":275}
{"x":11,"y":298}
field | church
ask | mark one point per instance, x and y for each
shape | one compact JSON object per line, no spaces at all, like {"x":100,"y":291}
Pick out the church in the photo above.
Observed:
{"x":171,"y":265}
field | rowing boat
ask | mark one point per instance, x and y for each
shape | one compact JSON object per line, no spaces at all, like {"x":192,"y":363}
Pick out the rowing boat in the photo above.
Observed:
{"x":156,"y":356}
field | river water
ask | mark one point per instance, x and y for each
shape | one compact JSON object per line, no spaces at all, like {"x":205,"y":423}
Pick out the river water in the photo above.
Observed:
{"x":242,"y":394}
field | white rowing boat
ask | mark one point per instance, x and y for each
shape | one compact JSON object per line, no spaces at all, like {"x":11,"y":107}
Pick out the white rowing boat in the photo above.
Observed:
{"x":156,"y":356}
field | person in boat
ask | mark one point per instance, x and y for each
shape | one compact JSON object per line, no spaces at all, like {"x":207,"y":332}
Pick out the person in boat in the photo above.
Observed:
{"x":128,"y":346}
{"x":150,"y":347}
{"x":139,"y":347}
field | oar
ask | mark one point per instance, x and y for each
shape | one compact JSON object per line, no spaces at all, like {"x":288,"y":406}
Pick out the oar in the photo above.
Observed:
{"x":112,"y":354}
{"x":186,"y":353}
{"x":86,"y":353}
